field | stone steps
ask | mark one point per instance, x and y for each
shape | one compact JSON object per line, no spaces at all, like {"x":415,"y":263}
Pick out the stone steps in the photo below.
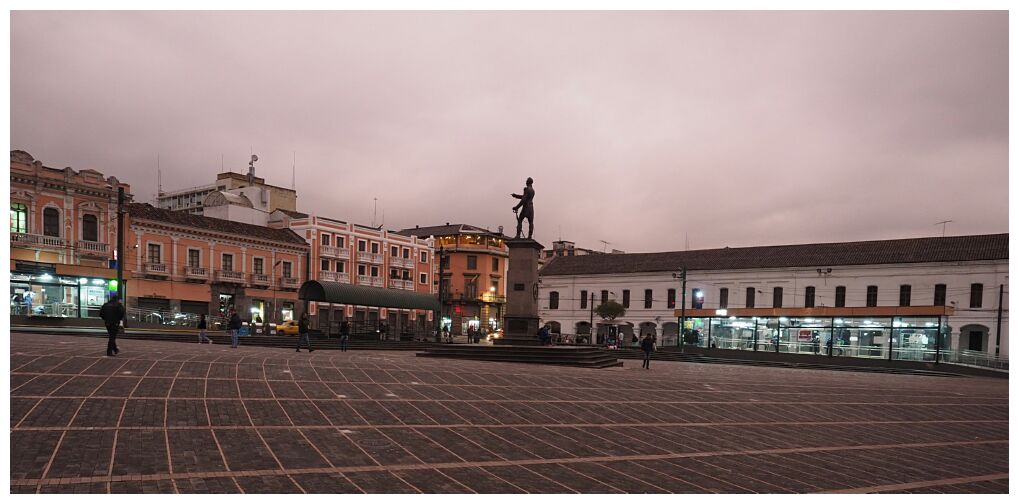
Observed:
{"x":586,"y":357}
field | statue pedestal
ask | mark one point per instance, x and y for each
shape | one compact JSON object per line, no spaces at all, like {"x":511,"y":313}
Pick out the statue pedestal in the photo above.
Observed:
{"x":520,"y":324}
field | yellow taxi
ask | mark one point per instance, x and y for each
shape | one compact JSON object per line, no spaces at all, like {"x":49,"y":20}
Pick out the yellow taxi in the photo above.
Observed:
{"x":288,"y":327}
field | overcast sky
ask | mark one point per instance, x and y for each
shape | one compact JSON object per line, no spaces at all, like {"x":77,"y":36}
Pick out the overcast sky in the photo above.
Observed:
{"x":640,"y":129}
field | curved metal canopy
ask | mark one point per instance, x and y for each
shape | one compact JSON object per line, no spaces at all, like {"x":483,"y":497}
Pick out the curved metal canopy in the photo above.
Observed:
{"x":363,"y":295}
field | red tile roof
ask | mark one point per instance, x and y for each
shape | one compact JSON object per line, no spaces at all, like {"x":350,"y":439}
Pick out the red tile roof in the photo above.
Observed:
{"x":149,"y":212}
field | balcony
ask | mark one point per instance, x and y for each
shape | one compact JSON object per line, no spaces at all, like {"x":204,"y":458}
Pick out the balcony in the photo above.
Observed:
{"x":339,"y":252}
{"x":226,"y":276}
{"x":85,"y":247}
{"x":34,"y":240}
{"x":400,"y":262}
{"x":332,"y":276}
{"x":288,"y":283}
{"x":158,"y":269}
{"x":369,"y":280}
{"x":196,"y":273}
{"x":368,"y":257}
{"x":260,"y":279}
{"x":396,"y":283}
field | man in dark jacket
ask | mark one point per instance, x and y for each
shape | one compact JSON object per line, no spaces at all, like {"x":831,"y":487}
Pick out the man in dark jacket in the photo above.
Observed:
{"x":302,"y":333}
{"x":235,"y":327}
{"x":344,"y":335}
{"x":647,"y":346}
{"x":112,"y":313}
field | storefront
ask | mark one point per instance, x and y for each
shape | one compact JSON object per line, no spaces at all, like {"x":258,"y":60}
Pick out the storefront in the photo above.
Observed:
{"x":894,"y":333}
{"x":40,"y":290}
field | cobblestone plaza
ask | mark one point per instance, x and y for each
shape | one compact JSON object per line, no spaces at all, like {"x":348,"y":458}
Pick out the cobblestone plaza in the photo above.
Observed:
{"x":173,"y":417}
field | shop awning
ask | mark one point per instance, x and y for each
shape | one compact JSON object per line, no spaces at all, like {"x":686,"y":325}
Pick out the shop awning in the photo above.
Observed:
{"x":363,"y":295}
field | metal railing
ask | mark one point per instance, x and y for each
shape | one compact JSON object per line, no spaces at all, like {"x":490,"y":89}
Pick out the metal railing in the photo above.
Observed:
{"x":974,"y":358}
{"x":171,"y":318}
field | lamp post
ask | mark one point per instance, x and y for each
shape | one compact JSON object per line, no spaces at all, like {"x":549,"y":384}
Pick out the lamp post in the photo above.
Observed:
{"x":442,"y":301}
{"x":275,"y":308}
{"x":682,"y":307}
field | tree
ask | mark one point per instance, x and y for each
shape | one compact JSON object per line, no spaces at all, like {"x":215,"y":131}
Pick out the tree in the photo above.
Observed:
{"x":610,"y":310}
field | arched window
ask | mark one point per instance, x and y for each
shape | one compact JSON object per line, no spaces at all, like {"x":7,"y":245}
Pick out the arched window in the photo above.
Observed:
{"x":90,"y":228}
{"x":51,"y":222}
{"x":19,"y":218}
{"x":808,"y":297}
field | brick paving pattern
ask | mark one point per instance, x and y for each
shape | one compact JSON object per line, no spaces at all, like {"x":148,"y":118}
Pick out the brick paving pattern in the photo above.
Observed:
{"x":172,"y":417}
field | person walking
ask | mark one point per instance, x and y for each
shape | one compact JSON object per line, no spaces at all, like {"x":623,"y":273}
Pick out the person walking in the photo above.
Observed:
{"x":647,"y":346}
{"x":202,"y":326}
{"x":112,"y":312}
{"x":344,"y":335}
{"x":302,"y":333}
{"x":235,"y":328}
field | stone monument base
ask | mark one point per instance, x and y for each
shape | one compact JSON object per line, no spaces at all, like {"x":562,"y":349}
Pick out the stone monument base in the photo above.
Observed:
{"x":519,"y":330}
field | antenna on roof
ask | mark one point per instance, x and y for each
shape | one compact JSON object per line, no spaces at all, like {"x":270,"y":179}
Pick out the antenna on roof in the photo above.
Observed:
{"x":293,"y":173}
{"x":159,"y":178}
{"x":605,"y":244}
{"x":375,"y":209}
{"x":943,"y":224}
{"x":221,"y":162}
{"x":686,"y":238}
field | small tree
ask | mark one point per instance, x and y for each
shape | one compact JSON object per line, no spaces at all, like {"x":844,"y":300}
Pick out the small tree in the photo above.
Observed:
{"x":610,"y":310}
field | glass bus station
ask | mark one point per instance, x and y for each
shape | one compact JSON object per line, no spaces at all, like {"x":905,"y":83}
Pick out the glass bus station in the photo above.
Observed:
{"x":913,"y":333}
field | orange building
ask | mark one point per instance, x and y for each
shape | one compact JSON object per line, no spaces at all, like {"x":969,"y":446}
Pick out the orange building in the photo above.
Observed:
{"x":474,"y":267}
{"x":182,"y":265}
{"x":63,"y":236}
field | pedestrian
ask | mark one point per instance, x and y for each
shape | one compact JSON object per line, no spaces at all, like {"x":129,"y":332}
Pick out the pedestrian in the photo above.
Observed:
{"x":202,"y":326}
{"x":302,"y":333}
{"x":543,"y":335}
{"x":235,"y":328}
{"x":445,"y":334}
{"x":344,"y":335}
{"x":112,"y":312}
{"x":647,"y":346}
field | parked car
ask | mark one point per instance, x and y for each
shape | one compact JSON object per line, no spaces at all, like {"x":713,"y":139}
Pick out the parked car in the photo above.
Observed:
{"x":288,"y":327}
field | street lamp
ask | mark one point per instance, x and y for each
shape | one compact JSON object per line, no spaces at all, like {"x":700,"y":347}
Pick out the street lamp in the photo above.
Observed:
{"x":275,"y":309}
{"x":682,"y":306}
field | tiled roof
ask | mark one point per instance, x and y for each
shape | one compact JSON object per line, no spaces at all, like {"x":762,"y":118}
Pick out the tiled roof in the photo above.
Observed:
{"x":149,"y":212}
{"x":446,"y":230}
{"x":910,"y":250}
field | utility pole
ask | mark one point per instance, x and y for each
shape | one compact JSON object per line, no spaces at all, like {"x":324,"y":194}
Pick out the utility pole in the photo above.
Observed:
{"x":591,"y":323}
{"x":121,"y":288}
{"x":997,"y":339}
{"x":442,"y":301}
{"x":682,"y":311}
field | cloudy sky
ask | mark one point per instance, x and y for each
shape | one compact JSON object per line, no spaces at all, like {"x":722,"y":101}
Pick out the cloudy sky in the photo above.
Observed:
{"x":645,"y":130}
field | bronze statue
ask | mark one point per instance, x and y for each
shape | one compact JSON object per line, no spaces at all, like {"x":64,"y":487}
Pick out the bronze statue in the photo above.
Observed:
{"x":526,"y":207}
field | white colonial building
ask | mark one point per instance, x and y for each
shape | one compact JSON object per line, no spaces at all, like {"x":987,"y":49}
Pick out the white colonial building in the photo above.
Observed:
{"x":882,"y":299}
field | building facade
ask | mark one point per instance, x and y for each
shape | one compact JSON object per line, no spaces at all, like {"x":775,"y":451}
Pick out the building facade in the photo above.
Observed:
{"x":192,"y":200}
{"x":360,"y":255}
{"x":474,"y":264}
{"x":182,"y":265}
{"x":63,"y":236}
{"x":916,"y":299}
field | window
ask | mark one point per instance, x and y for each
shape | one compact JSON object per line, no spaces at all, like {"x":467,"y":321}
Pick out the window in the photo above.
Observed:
{"x":671,"y":298}
{"x":840,"y":296}
{"x":154,"y":253}
{"x":976,"y":295}
{"x":723,"y":297}
{"x":808,"y":297}
{"x":583,"y":299}
{"x":393,"y":273}
{"x":976,"y":341}
{"x":604,"y":296}
{"x":776,"y":297}
{"x":939,"y":294}
{"x":871,"y":295}
{"x":495,"y":264}
{"x":90,"y":228}
{"x":424,"y":256}
{"x":394,"y":251}
{"x":325,"y":240}
{"x":340,"y":266}
{"x":325,"y":264}
{"x":626,"y":298}
{"x":472,"y":262}
{"x":375,"y":248}
{"x":194,"y":258}
{"x":19,"y":218}
{"x":288,"y":269}
{"x":905,"y":292}
{"x":258,"y":266}
{"x":553,"y":300}
{"x":424,"y":278}
{"x":227,"y":262}
{"x":406,"y":253}
{"x":648,"y":301}
{"x":750,"y":296}
{"x":361,"y":269}
{"x":495,"y":286}
{"x":362,"y":246}
{"x":339,"y":241}
{"x":51,"y":222}
{"x":471,"y":288}
{"x":375,"y":271}
{"x":697,"y":301}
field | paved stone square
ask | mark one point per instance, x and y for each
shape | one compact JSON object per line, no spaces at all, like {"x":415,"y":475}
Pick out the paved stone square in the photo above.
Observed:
{"x":189,"y":418}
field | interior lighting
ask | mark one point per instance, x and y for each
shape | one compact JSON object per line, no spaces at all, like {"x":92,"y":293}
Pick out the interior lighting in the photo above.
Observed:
{"x":96,"y":281}
{"x":83,"y":281}
{"x":45,"y":276}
